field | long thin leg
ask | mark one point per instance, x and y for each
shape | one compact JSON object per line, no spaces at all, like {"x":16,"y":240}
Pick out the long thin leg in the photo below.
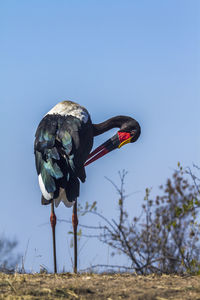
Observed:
{"x":75,"y":224}
{"x":53,"y":225}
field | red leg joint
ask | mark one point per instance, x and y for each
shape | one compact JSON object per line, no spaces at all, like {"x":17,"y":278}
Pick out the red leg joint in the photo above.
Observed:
{"x":53,"y":219}
{"x":74,"y":220}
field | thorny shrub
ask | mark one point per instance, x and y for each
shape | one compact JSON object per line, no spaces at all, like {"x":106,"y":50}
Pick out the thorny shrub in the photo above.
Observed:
{"x":165,"y":237}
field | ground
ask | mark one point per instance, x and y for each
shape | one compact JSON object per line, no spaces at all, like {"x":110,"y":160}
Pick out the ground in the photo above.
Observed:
{"x":99,"y":286}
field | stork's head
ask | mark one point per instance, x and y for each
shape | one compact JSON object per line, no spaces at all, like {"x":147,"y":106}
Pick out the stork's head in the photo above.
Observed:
{"x":129,"y":132}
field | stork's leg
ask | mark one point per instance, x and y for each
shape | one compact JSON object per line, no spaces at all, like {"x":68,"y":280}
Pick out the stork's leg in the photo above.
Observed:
{"x":53,"y":226}
{"x":75,"y":224}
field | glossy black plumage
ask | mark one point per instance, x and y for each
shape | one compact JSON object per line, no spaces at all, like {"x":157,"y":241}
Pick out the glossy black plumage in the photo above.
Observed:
{"x":63,"y":141}
{"x":62,"y":145}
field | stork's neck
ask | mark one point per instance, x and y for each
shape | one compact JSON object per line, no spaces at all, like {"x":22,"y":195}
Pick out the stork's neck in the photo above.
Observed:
{"x":115,"y":122}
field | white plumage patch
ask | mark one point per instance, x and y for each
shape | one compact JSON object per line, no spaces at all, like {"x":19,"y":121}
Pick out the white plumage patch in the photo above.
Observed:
{"x":62,"y":197}
{"x":47,"y":196}
{"x":69,"y":108}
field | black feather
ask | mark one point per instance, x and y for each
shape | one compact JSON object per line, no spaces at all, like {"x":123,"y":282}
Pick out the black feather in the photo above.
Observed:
{"x":44,"y":201}
{"x":62,"y":145}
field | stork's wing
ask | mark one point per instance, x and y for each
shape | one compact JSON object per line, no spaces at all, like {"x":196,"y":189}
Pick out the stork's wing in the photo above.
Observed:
{"x":59,"y":155}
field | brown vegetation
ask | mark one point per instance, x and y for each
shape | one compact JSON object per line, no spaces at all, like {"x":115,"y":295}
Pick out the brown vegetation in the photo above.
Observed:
{"x":99,"y":286}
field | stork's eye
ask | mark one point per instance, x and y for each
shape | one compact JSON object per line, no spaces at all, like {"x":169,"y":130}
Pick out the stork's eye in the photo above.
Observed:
{"x":133,"y":132}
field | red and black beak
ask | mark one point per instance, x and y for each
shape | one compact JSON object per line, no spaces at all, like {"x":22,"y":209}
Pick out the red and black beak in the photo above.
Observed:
{"x":117,"y":141}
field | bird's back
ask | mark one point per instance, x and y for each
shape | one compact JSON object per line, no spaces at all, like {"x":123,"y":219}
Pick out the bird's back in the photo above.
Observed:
{"x":63,"y":141}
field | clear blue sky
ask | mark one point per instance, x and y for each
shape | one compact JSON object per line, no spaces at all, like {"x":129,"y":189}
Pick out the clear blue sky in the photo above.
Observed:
{"x":137,"y":58}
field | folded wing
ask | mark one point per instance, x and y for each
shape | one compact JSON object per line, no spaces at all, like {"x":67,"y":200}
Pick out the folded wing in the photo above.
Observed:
{"x":62,"y":145}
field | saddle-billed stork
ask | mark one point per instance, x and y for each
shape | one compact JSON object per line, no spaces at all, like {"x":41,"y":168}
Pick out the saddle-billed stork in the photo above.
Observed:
{"x":63,"y":141}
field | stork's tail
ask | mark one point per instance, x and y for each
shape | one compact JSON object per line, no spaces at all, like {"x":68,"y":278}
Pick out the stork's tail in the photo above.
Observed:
{"x":62,"y":197}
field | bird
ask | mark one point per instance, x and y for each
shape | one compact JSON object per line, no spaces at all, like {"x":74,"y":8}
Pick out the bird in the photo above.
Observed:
{"x":63,"y":143}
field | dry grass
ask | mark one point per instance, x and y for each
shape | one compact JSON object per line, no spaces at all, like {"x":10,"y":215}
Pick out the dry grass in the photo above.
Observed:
{"x":101,"y":286}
